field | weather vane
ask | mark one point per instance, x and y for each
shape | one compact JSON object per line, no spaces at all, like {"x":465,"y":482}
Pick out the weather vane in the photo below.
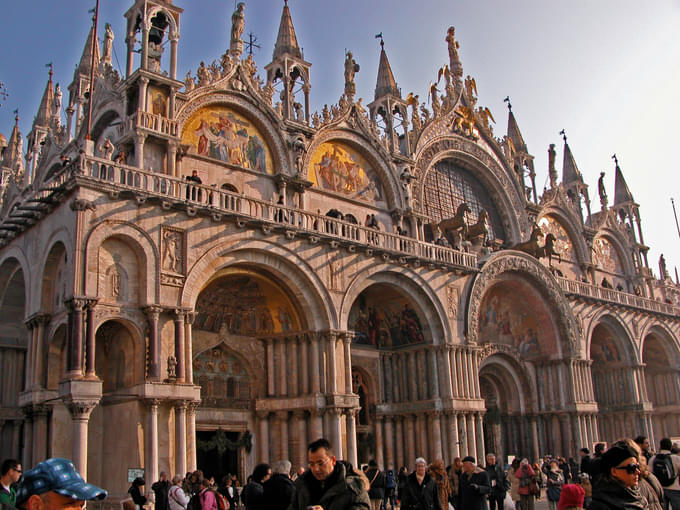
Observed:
{"x":507,"y":100}
{"x":380,"y":36}
{"x":564,"y":136}
{"x":616,"y":161}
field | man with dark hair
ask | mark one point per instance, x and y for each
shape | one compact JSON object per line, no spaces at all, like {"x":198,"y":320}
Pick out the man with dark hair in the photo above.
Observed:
{"x":643,"y":443}
{"x":327,"y":483}
{"x":585,"y":461}
{"x":9,"y":476}
{"x":665,"y":459}
{"x":376,"y":479}
{"x":55,"y":484}
{"x":474,"y":486}
{"x":160,"y":490}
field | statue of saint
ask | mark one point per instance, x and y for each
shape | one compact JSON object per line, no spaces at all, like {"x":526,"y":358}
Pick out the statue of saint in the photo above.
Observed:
{"x":551,"y":166}
{"x":57,"y":100}
{"x":455,"y":67}
{"x":662,"y":267}
{"x":107,"y":45}
{"x":238,"y":23}
{"x":602,"y":191}
{"x":351,"y":68}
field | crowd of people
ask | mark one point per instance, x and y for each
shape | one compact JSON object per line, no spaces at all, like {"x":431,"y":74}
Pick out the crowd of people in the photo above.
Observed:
{"x":627,"y":475}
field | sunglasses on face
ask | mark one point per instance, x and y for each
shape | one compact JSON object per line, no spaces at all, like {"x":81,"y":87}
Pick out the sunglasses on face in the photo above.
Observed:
{"x":630,"y":468}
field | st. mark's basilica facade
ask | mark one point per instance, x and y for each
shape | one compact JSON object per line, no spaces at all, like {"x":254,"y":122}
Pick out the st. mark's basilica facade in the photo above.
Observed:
{"x":217,"y":275}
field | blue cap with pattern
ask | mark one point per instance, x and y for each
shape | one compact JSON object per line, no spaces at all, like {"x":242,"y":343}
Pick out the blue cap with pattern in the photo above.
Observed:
{"x":60,"y":476}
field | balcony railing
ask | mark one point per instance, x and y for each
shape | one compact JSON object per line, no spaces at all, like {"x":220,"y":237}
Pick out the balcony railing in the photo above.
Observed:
{"x":614,"y":296}
{"x":222,"y":202}
{"x":154,"y":122}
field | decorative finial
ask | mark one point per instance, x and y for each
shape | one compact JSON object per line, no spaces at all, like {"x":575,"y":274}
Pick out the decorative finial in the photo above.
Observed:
{"x":380,"y":36}
{"x":16,"y":115}
{"x":507,"y":100}
{"x":285,"y":3}
{"x":616,"y":160}
{"x":49,"y":64}
{"x":564,"y":136}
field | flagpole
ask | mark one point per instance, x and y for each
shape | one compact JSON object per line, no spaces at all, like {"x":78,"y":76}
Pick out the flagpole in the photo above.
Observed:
{"x":92,"y":52}
{"x":676,"y":217}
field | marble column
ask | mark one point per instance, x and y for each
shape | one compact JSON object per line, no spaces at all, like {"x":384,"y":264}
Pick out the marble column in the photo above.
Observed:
{"x":433,"y":374}
{"x":299,"y":440}
{"x":293,"y":368}
{"x":188,"y":347}
{"x":314,"y":363}
{"x":316,"y":424}
{"x":281,"y":371}
{"x":75,"y":332}
{"x":350,"y":419}
{"x":179,"y":323}
{"x":153,"y":313}
{"x":444,"y":371}
{"x":413,"y":390}
{"x":534,"y":437}
{"x":303,"y":344}
{"x":282,"y":439}
{"x":90,"y":341}
{"x":335,"y":431}
{"x":454,"y":441}
{"x":379,"y":442}
{"x":263,"y":432}
{"x":40,"y":413}
{"x":332,"y":364}
{"x":479,"y":436}
{"x":191,"y":436}
{"x":80,"y":414}
{"x":471,"y":437}
{"x":422,"y":443}
{"x":151,"y":457}
{"x":409,"y":440}
{"x":389,"y":444}
{"x":435,"y":435}
{"x":27,"y":458}
{"x":399,"y":442}
{"x":181,"y":437}
{"x":347,"y":347}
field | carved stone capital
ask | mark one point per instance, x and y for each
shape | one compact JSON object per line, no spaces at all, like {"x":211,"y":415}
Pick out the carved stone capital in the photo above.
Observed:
{"x":76,"y":303}
{"x":152,"y":404}
{"x":152,"y":311}
{"x":262,"y":414}
{"x":80,"y":409}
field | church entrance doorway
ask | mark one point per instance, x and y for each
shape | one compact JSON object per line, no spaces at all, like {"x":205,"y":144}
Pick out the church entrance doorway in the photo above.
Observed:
{"x":217,"y":453}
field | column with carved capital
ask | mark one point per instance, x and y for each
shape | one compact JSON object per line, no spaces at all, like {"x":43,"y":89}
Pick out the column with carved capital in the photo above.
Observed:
{"x":151,"y":454}
{"x":332,"y":365}
{"x":347,"y":341}
{"x":263,"y":433}
{"x":479,"y":435}
{"x":179,"y":322}
{"x":80,"y":413}
{"x":452,"y":429}
{"x":314,"y":363}
{"x":139,"y":147}
{"x":389,"y":443}
{"x":316,"y":423}
{"x":351,"y":420}
{"x":191,"y":435}
{"x":188,"y":347}
{"x":152,"y":312}
{"x":75,"y":338}
{"x":181,"y":437}
{"x":90,"y":343}
{"x":172,"y":151}
{"x":335,"y":432}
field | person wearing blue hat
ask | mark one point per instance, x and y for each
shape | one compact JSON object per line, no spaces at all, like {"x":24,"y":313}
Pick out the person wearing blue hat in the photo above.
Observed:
{"x":54,"y":484}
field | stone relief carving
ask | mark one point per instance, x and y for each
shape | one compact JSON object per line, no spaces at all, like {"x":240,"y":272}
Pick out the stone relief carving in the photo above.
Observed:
{"x":452,"y":298}
{"x":173,"y":246}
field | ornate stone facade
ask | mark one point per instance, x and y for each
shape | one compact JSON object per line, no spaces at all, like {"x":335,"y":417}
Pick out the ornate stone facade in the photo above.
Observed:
{"x":212,"y":268}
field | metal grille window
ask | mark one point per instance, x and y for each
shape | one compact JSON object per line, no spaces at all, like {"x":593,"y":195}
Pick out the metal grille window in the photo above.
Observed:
{"x":447,"y":185}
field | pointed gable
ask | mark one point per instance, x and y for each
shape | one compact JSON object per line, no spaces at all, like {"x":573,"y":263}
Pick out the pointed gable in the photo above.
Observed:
{"x":570,"y":172}
{"x":286,"y":42}
{"x":12,"y":153}
{"x":44,"y":114}
{"x":86,"y":58}
{"x":515,"y":135}
{"x":385,"y":84}
{"x":622,"y":194}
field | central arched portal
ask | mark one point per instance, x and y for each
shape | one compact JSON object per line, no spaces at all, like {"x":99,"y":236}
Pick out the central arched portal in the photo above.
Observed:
{"x":507,"y":427}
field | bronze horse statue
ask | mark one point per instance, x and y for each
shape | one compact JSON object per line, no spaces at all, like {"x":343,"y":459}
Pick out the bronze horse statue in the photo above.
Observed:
{"x":478,"y":232}
{"x":454,"y":229}
{"x":548,"y":249}
{"x":530,"y":246}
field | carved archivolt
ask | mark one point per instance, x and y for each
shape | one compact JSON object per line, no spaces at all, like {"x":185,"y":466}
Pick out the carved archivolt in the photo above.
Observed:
{"x":521,"y":263}
{"x":502,"y":190}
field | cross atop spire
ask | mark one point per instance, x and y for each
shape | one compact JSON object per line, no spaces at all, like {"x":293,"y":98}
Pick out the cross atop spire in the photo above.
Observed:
{"x":286,"y":42}
{"x":507,"y":100}
{"x":564,"y":136}
{"x":385,"y":84}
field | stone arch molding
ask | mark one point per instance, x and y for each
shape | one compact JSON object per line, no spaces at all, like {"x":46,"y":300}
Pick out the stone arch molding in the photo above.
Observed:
{"x":140,"y":242}
{"x":510,"y":362}
{"x":485,"y":168}
{"x":626,"y":340}
{"x":413,"y":286}
{"x":295,"y":274}
{"x":662,"y":331}
{"x":518,"y":262}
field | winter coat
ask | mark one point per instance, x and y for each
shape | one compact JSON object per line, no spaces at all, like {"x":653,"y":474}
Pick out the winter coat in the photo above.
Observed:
{"x":525,"y":472}
{"x":160,"y":490}
{"x":278,"y":492}
{"x":253,"y":496}
{"x":514,"y":484}
{"x":341,"y":491}
{"x":473,"y":489}
{"x":377,"y":480}
{"x":609,"y":494}
{"x":420,"y":496}
{"x":652,"y":491}
{"x":496,"y":473}
{"x":208,"y":500}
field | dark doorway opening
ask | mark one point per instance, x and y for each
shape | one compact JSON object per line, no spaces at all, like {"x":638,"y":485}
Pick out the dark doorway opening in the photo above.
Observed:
{"x":214,"y":455}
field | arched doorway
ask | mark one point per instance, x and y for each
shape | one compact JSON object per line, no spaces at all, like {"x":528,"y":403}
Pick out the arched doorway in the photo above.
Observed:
{"x":662,"y":383}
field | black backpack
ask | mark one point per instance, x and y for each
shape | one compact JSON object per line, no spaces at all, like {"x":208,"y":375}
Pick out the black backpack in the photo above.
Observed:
{"x":663,"y":469}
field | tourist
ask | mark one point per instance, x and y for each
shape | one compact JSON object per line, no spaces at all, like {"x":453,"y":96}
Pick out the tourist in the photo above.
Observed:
{"x":455,"y":470}
{"x":665,"y":461}
{"x":135,"y":492}
{"x":498,"y":480}
{"x":571,"y":497}
{"x":207,"y":495}
{"x":617,"y":486}
{"x":554,"y":483}
{"x":650,"y":488}
{"x":279,"y":489}
{"x":390,"y":485}
{"x":527,"y":485}
{"x":228,"y":490}
{"x":160,"y":490}
{"x":441,"y":478}
{"x":513,"y":476}
{"x":253,"y":493}
{"x":644,"y":445}
{"x":376,"y":479}
{"x":54,"y":484}
{"x":585,"y":460}
{"x":329,"y":483}
{"x":9,"y":476}
{"x":177,"y":498}
{"x":474,"y":486}
{"x":420,"y":491}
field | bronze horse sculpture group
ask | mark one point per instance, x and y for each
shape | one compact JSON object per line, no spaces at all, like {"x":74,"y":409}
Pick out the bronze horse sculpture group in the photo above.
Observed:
{"x":535,"y":250}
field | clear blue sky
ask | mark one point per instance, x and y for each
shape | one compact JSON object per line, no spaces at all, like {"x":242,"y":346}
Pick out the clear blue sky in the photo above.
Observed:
{"x":606,"y":71}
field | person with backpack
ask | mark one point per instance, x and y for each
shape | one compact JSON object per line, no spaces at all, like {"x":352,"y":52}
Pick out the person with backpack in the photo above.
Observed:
{"x":177,"y":498}
{"x":390,"y":485}
{"x":666,"y":468}
{"x":376,"y":478}
{"x":207,"y":496}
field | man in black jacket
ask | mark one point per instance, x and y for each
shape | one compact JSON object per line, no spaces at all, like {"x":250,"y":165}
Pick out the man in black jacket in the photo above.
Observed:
{"x":279,"y":489}
{"x":474,"y":486}
{"x":420,"y":491}
{"x":376,"y":491}
{"x":498,"y":481}
{"x":160,"y":490}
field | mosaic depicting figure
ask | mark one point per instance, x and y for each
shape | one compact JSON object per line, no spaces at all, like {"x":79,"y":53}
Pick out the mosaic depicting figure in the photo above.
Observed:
{"x":387,"y":324}
{"x":522,"y":324}
{"x":563,"y":244}
{"x":338,"y":168}
{"x":605,"y":256}
{"x":244,"y":306}
{"x":220,"y":133}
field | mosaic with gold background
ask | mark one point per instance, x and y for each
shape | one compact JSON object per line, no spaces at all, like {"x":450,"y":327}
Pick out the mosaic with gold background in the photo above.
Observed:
{"x":220,"y":133}
{"x":605,"y":256}
{"x":339,"y":168}
{"x":563,"y":246}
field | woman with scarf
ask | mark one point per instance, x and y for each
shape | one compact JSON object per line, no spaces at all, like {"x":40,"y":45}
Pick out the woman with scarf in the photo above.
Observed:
{"x":618,"y":488}
{"x":441,"y":478}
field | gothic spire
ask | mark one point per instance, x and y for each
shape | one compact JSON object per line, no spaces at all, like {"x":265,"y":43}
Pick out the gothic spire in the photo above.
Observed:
{"x":385,"y":84}
{"x":570,"y":172}
{"x":286,"y":42}
{"x":86,"y":58}
{"x":44,"y":114}
{"x":12,"y":154}
{"x":622,"y":194}
{"x":514,"y":133}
